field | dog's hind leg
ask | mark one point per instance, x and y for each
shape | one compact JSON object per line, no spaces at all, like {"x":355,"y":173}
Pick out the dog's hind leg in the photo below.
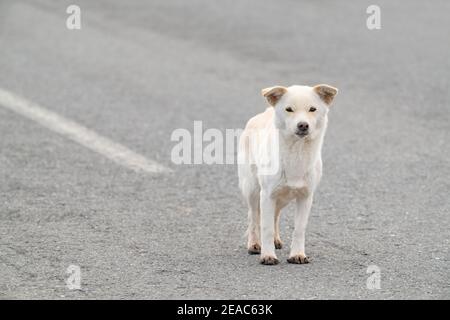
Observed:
{"x":278,"y":242}
{"x":254,"y":217}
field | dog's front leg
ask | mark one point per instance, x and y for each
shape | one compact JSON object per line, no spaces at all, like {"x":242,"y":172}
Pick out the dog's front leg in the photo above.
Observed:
{"x":297,"y":254}
{"x":267,"y":229}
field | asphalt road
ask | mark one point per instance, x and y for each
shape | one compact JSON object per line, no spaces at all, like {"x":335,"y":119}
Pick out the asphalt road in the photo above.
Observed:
{"x":137,"y":71}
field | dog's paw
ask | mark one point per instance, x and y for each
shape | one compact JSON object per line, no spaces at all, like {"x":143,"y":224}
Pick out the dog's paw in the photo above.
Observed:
{"x":298,"y":259}
{"x":269,"y":260}
{"x":278,"y":244}
{"x":254,"y":249}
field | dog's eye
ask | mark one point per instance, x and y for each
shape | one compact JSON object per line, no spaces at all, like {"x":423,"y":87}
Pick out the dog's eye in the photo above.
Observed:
{"x":312,"y":109}
{"x":289,"y":109}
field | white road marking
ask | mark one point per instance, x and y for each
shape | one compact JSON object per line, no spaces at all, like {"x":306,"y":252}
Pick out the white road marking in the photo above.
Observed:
{"x":82,"y":135}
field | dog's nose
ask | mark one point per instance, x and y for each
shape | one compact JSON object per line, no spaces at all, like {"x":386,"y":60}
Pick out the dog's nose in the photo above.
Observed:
{"x":303,"y":126}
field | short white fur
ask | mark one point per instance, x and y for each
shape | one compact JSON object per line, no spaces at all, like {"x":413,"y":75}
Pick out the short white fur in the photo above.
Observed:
{"x":299,"y":170}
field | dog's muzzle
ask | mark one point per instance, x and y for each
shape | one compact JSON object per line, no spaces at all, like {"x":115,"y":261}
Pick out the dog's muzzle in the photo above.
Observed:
{"x":302,"y":129}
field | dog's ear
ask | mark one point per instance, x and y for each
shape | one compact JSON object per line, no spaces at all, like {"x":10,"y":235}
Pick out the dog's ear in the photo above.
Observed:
{"x":273,"y":94}
{"x":326,"y":92}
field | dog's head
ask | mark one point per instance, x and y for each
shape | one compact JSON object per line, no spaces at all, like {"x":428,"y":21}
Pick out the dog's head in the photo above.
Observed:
{"x":300,"y":111}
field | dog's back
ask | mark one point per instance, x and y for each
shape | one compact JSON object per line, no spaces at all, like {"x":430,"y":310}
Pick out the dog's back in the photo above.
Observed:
{"x":247,"y":170}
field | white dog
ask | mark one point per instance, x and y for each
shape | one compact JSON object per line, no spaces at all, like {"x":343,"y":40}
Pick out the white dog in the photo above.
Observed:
{"x":291,"y":133}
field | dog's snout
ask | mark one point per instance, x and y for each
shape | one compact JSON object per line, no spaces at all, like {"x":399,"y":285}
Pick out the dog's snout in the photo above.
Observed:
{"x":303,"y":126}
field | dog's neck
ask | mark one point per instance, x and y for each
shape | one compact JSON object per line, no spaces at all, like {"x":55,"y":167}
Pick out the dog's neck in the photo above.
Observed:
{"x":306,"y":150}
{"x":298,"y":156}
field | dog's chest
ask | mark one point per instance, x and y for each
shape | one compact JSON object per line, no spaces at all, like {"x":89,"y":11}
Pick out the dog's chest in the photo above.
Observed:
{"x":296,"y":169}
{"x":297,"y":174}
{"x":292,"y":186}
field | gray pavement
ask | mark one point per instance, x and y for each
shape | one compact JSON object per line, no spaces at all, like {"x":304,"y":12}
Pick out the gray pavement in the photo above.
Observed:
{"x":137,"y":70}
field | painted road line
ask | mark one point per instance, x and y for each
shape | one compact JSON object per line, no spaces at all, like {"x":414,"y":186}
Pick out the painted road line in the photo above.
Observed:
{"x":82,"y":135}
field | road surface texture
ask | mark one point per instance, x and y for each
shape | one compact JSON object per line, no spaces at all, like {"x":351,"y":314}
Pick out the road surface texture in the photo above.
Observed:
{"x":138,"y":70}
